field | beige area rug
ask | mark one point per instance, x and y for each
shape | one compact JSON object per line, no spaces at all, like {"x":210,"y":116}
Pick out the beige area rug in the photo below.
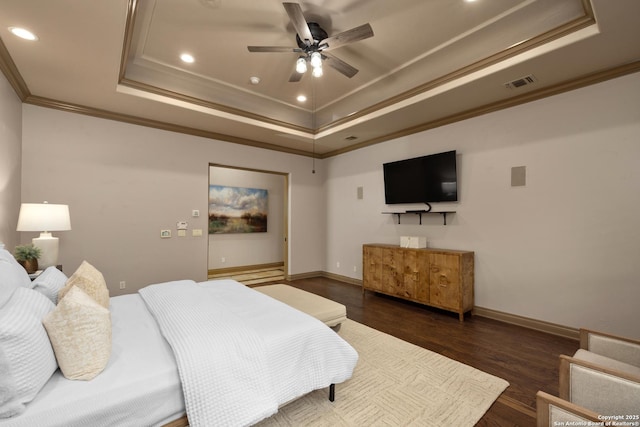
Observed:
{"x":396,"y":383}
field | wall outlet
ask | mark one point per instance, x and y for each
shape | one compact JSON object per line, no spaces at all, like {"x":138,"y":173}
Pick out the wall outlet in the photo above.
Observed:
{"x":123,"y":284}
{"x":355,"y":268}
{"x":223,"y":260}
{"x":338,"y":264}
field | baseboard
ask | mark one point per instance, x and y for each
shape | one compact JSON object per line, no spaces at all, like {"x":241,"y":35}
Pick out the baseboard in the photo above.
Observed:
{"x":312,"y":274}
{"x":345,"y":279}
{"x":538,"y":325}
{"x":308,"y":275}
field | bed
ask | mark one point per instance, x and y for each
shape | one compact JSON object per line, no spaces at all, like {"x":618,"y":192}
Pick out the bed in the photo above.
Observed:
{"x":233,"y":358}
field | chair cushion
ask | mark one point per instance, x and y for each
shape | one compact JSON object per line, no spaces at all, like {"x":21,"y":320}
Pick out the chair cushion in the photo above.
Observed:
{"x":606,"y":362}
{"x":624,"y":351}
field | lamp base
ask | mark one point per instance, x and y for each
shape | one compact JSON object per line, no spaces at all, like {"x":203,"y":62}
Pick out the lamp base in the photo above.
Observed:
{"x":49,"y":247}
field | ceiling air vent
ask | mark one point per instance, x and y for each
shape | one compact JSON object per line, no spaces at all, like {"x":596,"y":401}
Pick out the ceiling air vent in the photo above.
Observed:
{"x":522,"y":81}
{"x":351,"y":138}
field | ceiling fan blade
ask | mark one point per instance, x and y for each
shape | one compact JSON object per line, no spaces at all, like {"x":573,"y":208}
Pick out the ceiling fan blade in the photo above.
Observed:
{"x":353,"y":35}
{"x":295,"y":77}
{"x":273,"y":49}
{"x":340,"y":65}
{"x":299,"y":22}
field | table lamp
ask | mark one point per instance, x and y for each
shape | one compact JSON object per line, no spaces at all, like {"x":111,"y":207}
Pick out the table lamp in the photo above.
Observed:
{"x":44,"y":217}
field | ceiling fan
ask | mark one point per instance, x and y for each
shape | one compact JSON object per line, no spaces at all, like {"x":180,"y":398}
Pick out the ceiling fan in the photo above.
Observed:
{"x":314,"y":44}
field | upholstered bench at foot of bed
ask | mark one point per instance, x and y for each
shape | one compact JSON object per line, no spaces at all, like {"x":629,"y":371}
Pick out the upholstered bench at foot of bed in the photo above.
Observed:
{"x":323,"y":309}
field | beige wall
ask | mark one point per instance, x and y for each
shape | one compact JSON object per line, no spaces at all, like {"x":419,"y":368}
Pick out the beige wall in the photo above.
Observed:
{"x":10,"y":163}
{"x":125,"y":183}
{"x":563,"y":249}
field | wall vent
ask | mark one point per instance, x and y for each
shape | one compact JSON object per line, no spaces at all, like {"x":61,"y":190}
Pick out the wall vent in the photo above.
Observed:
{"x":522,"y":81}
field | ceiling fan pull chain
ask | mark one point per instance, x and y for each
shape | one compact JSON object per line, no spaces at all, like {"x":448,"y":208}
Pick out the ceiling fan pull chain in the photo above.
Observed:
{"x":313,"y":125}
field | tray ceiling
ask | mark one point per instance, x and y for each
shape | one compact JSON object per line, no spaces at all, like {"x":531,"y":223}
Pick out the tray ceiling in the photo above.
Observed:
{"x":428,"y":63}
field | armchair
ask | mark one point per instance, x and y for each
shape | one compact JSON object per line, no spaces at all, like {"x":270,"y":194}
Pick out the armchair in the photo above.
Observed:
{"x":601,"y":380}
{"x":601,"y":389}
{"x":606,"y":349}
{"x":553,"y":411}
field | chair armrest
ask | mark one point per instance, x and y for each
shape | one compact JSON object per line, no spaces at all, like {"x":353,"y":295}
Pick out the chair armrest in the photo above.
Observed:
{"x":603,"y":390}
{"x":626,"y":350}
{"x":553,"y":411}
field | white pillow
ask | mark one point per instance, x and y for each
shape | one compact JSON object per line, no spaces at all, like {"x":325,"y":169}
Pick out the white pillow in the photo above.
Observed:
{"x":12,"y":276}
{"x":10,"y":404}
{"x":80,"y":332}
{"x":91,"y":281}
{"x":19,"y":274}
{"x":8,"y":284}
{"x":50,"y":282}
{"x":27,"y":360}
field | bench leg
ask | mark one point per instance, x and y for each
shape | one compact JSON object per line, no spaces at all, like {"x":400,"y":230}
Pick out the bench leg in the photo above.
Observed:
{"x":332,"y":392}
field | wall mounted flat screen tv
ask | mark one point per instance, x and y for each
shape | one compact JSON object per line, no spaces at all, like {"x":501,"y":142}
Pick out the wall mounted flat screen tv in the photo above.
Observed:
{"x":431,"y":178}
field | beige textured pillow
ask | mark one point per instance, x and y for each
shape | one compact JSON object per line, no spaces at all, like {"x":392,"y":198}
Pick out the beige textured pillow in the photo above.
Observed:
{"x":80,"y":332}
{"x":90,"y":280}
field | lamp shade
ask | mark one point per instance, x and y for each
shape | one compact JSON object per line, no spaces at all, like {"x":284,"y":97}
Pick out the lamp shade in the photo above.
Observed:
{"x":43,"y":217}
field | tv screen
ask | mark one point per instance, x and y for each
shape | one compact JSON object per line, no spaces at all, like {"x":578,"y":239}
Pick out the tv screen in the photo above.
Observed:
{"x":424,"y":179}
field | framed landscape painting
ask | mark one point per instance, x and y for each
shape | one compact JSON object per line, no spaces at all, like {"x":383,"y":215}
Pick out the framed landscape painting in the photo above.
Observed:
{"x":237,"y":210}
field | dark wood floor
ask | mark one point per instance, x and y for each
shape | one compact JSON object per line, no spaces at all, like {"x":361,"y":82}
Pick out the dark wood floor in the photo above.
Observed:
{"x":527,"y":359}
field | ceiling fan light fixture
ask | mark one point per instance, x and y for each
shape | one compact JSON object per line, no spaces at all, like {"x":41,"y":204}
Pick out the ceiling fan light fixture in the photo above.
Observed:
{"x":301,"y":65}
{"x":313,"y":41}
{"x":316,"y":60}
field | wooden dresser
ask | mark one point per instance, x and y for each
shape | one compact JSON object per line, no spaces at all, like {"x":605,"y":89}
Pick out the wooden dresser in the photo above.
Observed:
{"x":439,"y":278}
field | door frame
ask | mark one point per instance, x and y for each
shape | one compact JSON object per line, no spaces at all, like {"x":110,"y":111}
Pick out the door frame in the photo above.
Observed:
{"x":285,"y":210}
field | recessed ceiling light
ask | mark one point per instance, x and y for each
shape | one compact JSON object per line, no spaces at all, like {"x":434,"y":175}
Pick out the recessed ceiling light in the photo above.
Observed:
{"x":187,"y":58}
{"x":301,"y":98}
{"x":254,"y":80}
{"x":23,"y":33}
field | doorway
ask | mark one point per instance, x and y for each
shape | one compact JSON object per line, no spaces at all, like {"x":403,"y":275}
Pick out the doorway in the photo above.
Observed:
{"x":235,"y":248}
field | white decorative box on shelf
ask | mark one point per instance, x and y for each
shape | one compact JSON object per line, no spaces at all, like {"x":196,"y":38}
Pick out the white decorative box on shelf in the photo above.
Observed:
{"x":413,"y":242}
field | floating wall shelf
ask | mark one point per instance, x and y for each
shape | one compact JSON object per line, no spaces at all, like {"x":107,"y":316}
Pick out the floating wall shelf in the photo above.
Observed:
{"x":420,"y":213}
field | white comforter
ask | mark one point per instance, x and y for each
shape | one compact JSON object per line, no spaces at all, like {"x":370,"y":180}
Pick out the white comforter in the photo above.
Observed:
{"x":240,"y":353}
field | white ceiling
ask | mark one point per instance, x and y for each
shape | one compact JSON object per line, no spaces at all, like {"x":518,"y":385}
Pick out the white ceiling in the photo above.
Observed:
{"x":429,"y":63}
